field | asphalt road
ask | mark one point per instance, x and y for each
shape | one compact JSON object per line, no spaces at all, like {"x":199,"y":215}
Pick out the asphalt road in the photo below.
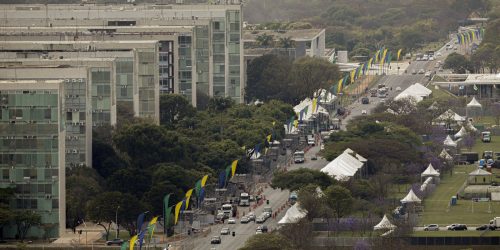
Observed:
{"x":276,"y":199}
{"x":396,"y":79}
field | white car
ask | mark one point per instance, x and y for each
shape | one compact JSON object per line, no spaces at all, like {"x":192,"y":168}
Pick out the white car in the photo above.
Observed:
{"x":428,"y":74}
{"x":231,"y":221}
{"x":364,"y":112}
{"x":438,"y":54}
{"x":431,"y":58}
{"x":431,"y":227}
{"x":398,"y":88}
{"x":258,"y":231}
{"x":225,"y":231}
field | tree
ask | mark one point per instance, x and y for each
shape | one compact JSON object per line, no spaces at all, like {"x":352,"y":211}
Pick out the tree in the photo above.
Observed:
{"x":311,"y":201}
{"x":174,"y":107}
{"x":297,"y":179}
{"x":299,"y":234}
{"x":271,"y":241}
{"x":82,"y":183}
{"x":24,"y":220}
{"x":339,"y":199}
{"x":286,"y":42}
{"x":104,"y":208}
{"x":410,"y":39}
{"x":264,"y":40}
{"x":311,"y":74}
{"x":148,"y":144}
{"x":457,"y":62}
{"x":130,"y":180}
{"x":105,"y":160}
{"x":268,"y":77}
{"x":6,"y":213}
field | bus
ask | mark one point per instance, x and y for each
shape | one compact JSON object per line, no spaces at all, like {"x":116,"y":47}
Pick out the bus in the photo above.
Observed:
{"x":244,"y":199}
{"x":227,"y":209}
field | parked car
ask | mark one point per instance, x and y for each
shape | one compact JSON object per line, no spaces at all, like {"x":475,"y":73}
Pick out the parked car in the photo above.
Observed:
{"x":244,"y":220}
{"x":215,"y":240}
{"x":225,"y":231}
{"x":431,"y":227}
{"x":118,"y":242}
{"x":231,"y":221}
{"x":421,"y":71}
{"x":365,"y":100}
{"x":398,"y":88}
{"x":364,"y":112}
{"x":258,"y":231}
{"x":427,"y":74}
{"x":414,"y":72}
{"x":266,"y":215}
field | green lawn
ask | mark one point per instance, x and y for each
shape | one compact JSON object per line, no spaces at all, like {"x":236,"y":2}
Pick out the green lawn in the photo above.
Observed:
{"x":437,"y":210}
{"x":480,"y":146}
{"x":440,"y":93}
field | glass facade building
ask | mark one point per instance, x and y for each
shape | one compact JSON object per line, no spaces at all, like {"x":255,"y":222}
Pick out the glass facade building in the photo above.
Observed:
{"x":32,"y":151}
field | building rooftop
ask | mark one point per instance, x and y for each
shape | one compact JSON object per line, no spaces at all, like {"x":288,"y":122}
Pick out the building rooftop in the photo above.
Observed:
{"x":296,"y":35}
{"x":482,"y":78}
{"x":29,"y":81}
{"x":123,"y":11}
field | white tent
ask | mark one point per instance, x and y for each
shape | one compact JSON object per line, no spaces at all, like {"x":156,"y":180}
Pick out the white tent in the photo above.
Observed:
{"x":444,"y":154}
{"x":449,"y":116}
{"x":474,"y":103}
{"x":319,"y":192}
{"x":359,"y":157}
{"x":474,"y":108}
{"x":306,"y":105}
{"x":449,"y":142}
{"x":430,"y":171}
{"x":434,"y":106}
{"x":479,"y":172}
{"x":470,"y":127}
{"x":388,"y":232}
{"x":293,"y":214}
{"x":325,"y":96}
{"x":460,"y":133}
{"x":343,"y":167}
{"x":425,"y":184}
{"x":411,"y":197}
{"x":384,"y":224}
{"x":417,"y":91}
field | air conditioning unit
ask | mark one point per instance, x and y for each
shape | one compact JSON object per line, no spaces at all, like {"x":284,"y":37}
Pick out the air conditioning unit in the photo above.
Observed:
{"x":82,"y":123}
{"x":26,"y":178}
{"x":68,"y":151}
{"x":66,"y":80}
{"x":76,"y":137}
{"x":48,"y":196}
{"x":75,"y":151}
{"x":100,"y":110}
{"x":80,"y":80}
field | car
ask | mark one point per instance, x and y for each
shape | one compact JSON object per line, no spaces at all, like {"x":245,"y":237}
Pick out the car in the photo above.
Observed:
{"x":457,"y":227}
{"x":365,"y":100}
{"x":398,"y":88}
{"x":427,"y":74}
{"x":263,"y":228}
{"x":225,"y":231}
{"x":382,"y":101}
{"x":440,"y":69}
{"x":431,"y":227}
{"x":258,"y":231}
{"x":251,"y":216}
{"x":118,"y":242}
{"x":220,"y":216}
{"x":215,"y":240}
{"x":314,"y":157}
{"x":266,"y":215}
{"x":431,"y":58}
{"x":455,"y":48}
{"x":364,"y":112}
{"x":438,"y":54}
{"x":244,"y":220}
{"x":421,"y":71}
{"x":261,"y":219}
{"x":483,"y":227}
{"x":231,"y":221}
{"x":414,"y":72}
{"x":322,"y":147}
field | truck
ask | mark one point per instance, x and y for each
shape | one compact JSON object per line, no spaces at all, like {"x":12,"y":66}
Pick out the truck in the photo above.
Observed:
{"x":486,"y":136}
{"x":310,"y":140}
{"x":495,"y":223}
{"x":244,"y":199}
{"x":298,"y":157}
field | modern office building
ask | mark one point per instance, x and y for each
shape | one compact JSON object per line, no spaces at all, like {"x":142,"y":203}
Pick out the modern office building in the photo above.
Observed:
{"x":78,"y":114}
{"x":32,"y":151}
{"x":200,"y":51}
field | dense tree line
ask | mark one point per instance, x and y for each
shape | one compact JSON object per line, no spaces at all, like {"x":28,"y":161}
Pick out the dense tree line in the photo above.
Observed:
{"x":137,"y":164}
{"x":273,"y":77}
{"x":360,"y":26}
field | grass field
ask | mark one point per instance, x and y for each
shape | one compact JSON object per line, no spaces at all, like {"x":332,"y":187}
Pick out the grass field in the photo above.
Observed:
{"x":437,"y":210}
{"x":480,"y":146}
{"x":455,"y":233}
{"x":440,"y":93}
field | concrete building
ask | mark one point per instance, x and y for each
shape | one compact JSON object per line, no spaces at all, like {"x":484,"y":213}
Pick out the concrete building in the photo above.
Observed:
{"x":200,"y":50}
{"x":78,"y":114}
{"x":32,"y":151}
{"x":482,"y":86}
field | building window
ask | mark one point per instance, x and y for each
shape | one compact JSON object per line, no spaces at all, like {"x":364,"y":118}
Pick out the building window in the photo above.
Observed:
{"x":48,"y":114}
{"x":5,"y":174}
{"x":55,"y":203}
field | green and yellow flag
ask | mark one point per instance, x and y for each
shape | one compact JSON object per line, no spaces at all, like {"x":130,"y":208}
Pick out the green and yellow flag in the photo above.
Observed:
{"x":339,"y":85}
{"x":315,"y":102}
{"x":399,"y":53}
{"x":268,"y":138}
{"x":151,"y":227}
{"x":353,"y":73}
{"x":296,"y":123}
{"x":384,"y":54}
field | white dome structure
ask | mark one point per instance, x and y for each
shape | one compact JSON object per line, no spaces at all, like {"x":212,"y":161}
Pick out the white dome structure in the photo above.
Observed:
{"x":474,"y":108}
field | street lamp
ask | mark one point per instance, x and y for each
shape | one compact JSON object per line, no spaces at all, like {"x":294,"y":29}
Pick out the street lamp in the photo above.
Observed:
{"x":116,"y":221}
